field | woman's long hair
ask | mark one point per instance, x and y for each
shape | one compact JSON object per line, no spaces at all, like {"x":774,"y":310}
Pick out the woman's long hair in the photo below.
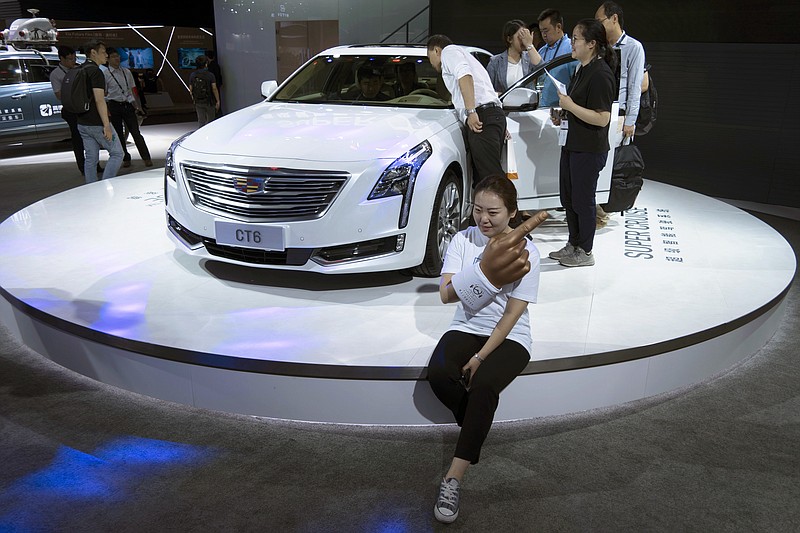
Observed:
{"x":593,"y":30}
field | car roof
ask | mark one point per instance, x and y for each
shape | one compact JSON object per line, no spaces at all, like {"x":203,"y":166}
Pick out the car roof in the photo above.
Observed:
{"x":386,"y":49}
{"x":11,"y":52}
{"x":24,"y":53}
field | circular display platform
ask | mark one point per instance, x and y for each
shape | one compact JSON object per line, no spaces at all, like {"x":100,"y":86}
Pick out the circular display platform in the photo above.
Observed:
{"x":684,"y":286}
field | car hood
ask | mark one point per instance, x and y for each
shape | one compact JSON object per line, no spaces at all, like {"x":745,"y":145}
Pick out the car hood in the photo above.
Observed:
{"x":320,"y":132}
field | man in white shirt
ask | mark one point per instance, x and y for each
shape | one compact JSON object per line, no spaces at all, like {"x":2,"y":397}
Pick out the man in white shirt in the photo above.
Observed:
{"x":631,"y":64}
{"x":122,"y":106}
{"x":475,"y":100}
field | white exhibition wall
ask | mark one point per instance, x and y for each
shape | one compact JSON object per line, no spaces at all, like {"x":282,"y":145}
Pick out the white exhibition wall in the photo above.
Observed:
{"x":246,"y":41}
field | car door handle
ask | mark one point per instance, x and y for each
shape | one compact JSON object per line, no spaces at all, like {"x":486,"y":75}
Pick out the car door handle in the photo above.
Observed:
{"x":18,"y":96}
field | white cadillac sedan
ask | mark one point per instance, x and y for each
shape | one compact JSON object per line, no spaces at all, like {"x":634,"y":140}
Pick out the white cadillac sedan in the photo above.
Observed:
{"x":356,"y":163}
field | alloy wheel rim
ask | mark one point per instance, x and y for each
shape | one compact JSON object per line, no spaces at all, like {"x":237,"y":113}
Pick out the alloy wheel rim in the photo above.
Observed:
{"x":449,"y":217}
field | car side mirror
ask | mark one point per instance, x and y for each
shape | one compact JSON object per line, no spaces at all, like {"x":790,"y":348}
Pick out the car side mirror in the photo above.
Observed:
{"x":268,"y":87}
{"x":521,"y":99}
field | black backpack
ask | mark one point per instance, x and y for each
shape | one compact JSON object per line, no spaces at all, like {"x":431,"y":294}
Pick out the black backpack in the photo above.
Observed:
{"x":76,"y":94}
{"x":648,"y":107}
{"x":201,"y":90}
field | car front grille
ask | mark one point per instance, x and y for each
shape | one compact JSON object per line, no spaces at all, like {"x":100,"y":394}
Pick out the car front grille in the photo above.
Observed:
{"x":259,"y":194}
{"x":289,"y":257}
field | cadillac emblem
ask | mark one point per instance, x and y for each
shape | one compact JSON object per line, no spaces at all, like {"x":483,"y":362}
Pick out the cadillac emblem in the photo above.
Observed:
{"x":249,"y":185}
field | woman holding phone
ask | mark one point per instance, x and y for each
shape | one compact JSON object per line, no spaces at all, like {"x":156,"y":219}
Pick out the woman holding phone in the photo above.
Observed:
{"x":587,"y":104}
{"x":488,"y":343}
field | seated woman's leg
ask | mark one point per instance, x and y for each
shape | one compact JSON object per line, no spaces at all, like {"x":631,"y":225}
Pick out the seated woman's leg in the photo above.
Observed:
{"x":494,"y":375}
{"x":444,"y":369}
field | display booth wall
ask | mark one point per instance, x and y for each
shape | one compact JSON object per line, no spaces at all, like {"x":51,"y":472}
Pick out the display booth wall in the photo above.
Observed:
{"x":726,"y":74}
{"x":267,"y":40}
{"x":199,"y":14}
{"x":168,"y":50}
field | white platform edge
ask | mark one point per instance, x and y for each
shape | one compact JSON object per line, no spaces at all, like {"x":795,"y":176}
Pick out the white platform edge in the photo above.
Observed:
{"x":389,"y":402}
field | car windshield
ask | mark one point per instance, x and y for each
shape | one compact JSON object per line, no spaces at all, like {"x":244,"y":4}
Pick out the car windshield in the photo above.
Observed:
{"x":398,"y":81}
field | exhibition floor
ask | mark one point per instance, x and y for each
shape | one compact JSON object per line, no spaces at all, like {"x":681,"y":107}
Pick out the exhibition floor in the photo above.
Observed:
{"x":684,"y":287}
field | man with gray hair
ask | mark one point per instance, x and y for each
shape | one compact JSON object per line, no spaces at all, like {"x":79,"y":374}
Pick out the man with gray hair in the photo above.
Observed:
{"x":631,"y":64}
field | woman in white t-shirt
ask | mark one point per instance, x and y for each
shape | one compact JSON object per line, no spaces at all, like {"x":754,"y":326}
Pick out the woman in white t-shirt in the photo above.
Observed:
{"x":488,"y":343}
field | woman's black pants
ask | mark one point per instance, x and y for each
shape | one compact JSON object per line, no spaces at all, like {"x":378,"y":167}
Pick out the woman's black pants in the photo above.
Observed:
{"x":473,"y":409}
{"x":577,"y":186}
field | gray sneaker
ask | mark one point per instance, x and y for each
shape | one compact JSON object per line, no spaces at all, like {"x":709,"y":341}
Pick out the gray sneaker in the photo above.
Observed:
{"x":564,"y":252}
{"x":578,"y":258}
{"x":446,"y":508}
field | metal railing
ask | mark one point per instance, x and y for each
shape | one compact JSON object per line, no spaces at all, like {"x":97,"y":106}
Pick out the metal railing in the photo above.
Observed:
{"x":407,"y":27}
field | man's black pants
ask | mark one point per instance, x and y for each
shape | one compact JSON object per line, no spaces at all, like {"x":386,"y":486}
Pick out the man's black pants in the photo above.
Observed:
{"x":486,"y":147}
{"x":77,"y":141}
{"x":124,"y":112}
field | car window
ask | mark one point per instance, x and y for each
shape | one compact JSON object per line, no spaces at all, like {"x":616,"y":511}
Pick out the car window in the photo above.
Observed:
{"x":36,"y":71}
{"x":10,"y":72}
{"x":482,"y":58}
{"x":338,"y":79}
{"x":562,"y":68}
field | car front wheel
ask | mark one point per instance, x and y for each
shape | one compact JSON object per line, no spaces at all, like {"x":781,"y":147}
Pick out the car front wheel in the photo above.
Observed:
{"x":445,"y":222}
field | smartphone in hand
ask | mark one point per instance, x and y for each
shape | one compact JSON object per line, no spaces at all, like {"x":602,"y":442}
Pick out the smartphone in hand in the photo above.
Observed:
{"x":465,"y":379}
{"x":556,"y":115}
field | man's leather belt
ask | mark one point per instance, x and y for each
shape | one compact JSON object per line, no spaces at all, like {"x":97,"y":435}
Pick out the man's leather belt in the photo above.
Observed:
{"x":490,"y":104}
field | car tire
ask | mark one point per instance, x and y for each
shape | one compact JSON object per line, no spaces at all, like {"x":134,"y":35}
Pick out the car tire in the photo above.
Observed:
{"x":446,"y":218}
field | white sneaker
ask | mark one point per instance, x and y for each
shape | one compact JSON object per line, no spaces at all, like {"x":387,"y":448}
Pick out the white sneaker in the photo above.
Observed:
{"x":446,"y":508}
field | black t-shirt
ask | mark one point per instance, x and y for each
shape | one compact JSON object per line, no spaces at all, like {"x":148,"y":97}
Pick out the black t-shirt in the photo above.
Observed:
{"x":213,"y":68}
{"x":204,"y":74}
{"x":593,"y":87}
{"x":96,"y":81}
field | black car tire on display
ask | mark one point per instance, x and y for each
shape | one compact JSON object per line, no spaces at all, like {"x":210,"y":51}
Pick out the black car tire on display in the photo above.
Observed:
{"x":446,"y":218}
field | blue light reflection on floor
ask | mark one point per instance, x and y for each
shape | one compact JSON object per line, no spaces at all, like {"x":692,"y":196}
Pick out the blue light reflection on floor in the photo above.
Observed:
{"x":46,"y":301}
{"x":392,"y":527}
{"x":110,"y":474}
{"x":284,"y":334}
{"x":124,"y":309}
{"x":374,"y":524}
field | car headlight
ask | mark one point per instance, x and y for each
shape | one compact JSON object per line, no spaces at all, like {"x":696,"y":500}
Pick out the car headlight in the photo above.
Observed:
{"x":398,"y":178}
{"x":169,"y":166}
